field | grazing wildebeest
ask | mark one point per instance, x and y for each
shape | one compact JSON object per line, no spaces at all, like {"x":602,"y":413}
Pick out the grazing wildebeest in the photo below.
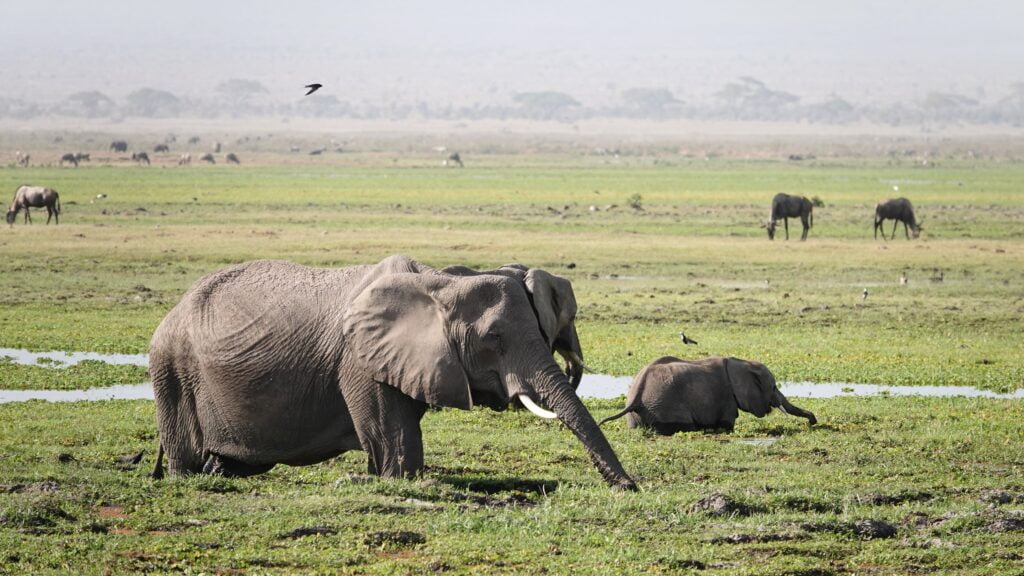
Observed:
{"x":119,"y":146}
{"x":161,"y":148}
{"x":232,"y":159}
{"x":453,"y":159}
{"x":185,"y":159}
{"x":141,"y":157}
{"x":193,"y":140}
{"x":70,"y":159}
{"x":898,"y":210}
{"x":82,"y":157}
{"x":785,"y":207}
{"x":35,"y":197}
{"x":208,"y":158}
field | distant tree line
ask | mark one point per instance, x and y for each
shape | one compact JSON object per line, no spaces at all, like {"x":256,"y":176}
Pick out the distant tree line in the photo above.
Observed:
{"x":746,"y":98}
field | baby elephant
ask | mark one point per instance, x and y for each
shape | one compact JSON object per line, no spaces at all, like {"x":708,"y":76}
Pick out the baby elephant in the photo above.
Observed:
{"x":672,"y":395}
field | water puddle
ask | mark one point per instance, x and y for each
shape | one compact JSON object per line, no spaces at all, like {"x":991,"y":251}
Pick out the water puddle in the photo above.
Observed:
{"x":64,"y":359}
{"x":592,"y":386}
{"x":604,"y":386}
{"x":122,"y":392}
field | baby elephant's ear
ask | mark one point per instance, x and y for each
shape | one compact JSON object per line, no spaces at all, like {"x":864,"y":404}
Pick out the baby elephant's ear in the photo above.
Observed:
{"x":399,"y":333}
{"x":752,"y":385}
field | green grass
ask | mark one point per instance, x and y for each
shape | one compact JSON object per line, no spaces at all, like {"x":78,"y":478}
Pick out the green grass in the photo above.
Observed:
{"x":507,"y":493}
{"x":504,"y":492}
{"x":694,"y":257}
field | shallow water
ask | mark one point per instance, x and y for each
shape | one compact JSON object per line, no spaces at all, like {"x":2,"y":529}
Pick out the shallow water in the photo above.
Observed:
{"x":604,"y":386}
{"x":592,"y":386}
{"x":64,"y":359}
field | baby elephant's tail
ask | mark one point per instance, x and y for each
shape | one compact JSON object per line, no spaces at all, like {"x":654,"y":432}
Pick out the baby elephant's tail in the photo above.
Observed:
{"x":625,"y":411}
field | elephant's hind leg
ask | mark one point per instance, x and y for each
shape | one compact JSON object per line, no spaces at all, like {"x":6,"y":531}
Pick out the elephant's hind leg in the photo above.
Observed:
{"x":180,"y":436}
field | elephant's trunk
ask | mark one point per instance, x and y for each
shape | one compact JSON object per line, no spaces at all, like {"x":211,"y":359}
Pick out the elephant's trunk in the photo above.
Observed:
{"x":568,"y":347}
{"x":555,"y":391}
{"x":788,"y":408}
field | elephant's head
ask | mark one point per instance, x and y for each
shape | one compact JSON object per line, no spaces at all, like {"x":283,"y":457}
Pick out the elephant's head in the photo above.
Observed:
{"x":554,"y":304}
{"x":754,"y":387}
{"x":465,"y":341}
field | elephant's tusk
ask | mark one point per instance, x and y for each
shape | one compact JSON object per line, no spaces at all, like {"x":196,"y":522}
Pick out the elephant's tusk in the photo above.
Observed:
{"x":537,"y":410}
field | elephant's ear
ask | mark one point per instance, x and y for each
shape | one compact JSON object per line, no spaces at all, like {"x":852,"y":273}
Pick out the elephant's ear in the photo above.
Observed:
{"x":752,"y":385}
{"x":552,"y":301}
{"x":399,"y":332}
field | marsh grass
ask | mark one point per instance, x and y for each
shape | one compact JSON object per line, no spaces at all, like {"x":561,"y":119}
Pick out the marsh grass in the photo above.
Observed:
{"x":887,"y":485}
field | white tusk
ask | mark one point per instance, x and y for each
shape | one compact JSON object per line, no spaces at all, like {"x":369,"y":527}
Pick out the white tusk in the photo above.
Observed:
{"x":537,"y":410}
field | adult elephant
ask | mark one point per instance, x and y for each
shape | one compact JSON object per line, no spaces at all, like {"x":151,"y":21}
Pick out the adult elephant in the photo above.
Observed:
{"x":554,"y":304}
{"x":270,"y":362}
{"x":671,"y":395}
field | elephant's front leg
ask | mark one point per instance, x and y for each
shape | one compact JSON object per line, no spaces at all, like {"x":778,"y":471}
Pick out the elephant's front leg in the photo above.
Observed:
{"x":388,"y":425}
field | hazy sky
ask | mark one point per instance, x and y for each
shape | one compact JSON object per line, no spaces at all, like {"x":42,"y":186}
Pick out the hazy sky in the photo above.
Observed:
{"x":49,"y":48}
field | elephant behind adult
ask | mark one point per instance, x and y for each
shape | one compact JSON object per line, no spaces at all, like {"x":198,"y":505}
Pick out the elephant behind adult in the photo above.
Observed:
{"x":270,"y":362}
{"x":554,"y":304}
{"x":671,"y":395}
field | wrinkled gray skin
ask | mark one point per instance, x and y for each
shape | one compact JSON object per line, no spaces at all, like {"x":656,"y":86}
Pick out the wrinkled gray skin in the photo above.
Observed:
{"x":26,"y":197}
{"x":785,"y":207}
{"x":672,"y":395}
{"x":270,"y":362}
{"x":554,"y":304}
{"x":898,"y":210}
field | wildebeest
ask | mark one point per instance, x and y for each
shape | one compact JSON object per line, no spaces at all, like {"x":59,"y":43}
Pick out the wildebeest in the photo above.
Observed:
{"x":453,"y":159}
{"x":185,"y":159}
{"x":161,"y":148}
{"x":119,"y":146}
{"x":785,"y":207}
{"x":208,"y":158}
{"x":232,"y":159}
{"x":193,"y":140}
{"x":70,"y":159}
{"x":141,"y":157}
{"x":34,"y":197}
{"x":898,"y":210}
{"x":22,"y":159}
{"x":82,"y":157}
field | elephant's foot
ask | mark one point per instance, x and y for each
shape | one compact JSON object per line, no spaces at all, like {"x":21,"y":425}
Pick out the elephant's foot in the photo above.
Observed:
{"x":217,"y":465}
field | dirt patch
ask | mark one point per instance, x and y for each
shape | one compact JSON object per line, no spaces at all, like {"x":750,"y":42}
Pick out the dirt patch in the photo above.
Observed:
{"x":394,"y":539}
{"x":717,"y":504}
{"x":893,"y":499}
{"x":868,"y":529}
{"x":111,"y":512}
{"x":1009,"y":523}
{"x":759,"y":538}
{"x":309,"y":531}
{"x":1000,"y":497}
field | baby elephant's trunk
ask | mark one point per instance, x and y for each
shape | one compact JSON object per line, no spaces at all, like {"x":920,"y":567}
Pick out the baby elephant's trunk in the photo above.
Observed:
{"x":788,"y":408}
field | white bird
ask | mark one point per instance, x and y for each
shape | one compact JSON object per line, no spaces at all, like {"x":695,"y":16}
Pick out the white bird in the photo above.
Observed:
{"x":864,"y":296}
{"x":903,"y":278}
{"x":895,"y":188}
{"x":686,"y":340}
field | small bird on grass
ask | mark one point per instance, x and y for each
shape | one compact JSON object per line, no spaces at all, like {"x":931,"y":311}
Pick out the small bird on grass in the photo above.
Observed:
{"x":313,"y":88}
{"x":686,"y":339}
{"x":864,"y":295}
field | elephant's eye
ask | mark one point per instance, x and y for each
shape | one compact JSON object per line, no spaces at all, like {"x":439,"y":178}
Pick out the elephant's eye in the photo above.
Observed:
{"x":493,"y":340}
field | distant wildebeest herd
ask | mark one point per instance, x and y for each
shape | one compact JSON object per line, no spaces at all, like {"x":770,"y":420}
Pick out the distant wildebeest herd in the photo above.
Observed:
{"x":141,"y":157}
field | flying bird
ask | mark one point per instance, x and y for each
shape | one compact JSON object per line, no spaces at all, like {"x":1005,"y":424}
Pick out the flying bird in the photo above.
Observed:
{"x":686,"y":339}
{"x":313,"y":88}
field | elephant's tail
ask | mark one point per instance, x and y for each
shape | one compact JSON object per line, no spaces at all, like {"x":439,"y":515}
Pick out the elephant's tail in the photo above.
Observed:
{"x":158,"y":469}
{"x":625,"y":411}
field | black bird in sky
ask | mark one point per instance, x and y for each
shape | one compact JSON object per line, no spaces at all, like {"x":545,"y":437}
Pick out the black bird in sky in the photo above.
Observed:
{"x":313,"y":88}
